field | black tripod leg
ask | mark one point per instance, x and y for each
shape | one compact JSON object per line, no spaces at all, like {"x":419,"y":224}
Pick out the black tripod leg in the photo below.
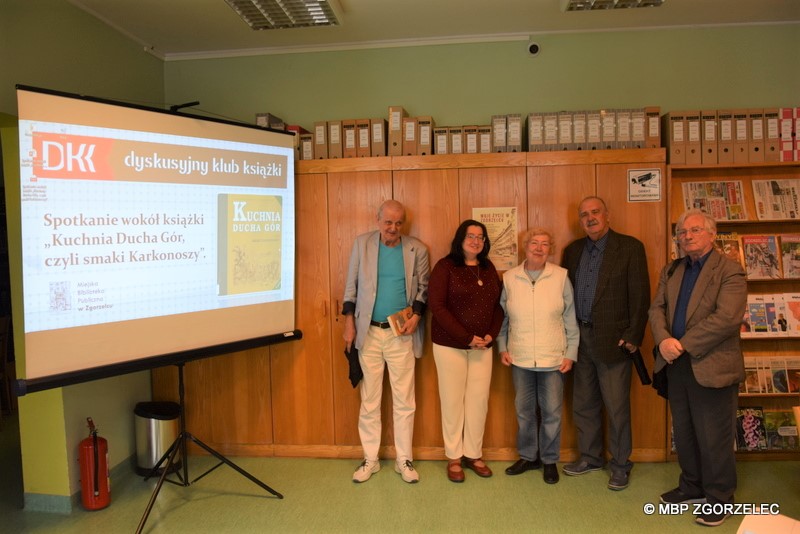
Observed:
{"x":227,"y":462}
{"x":174,"y":447}
{"x":171,"y":458}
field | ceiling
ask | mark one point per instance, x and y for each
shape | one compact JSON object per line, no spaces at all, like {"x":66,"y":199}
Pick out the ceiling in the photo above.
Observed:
{"x":191,"y":29}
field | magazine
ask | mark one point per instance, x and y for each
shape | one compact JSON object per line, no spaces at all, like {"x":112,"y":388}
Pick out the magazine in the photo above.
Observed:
{"x":723,"y":200}
{"x":727,"y":244}
{"x":761,"y":257}
{"x":790,"y":255}
{"x":781,"y":430}
{"x":792,"y":310}
{"x":776,"y":199}
{"x":750,"y":432}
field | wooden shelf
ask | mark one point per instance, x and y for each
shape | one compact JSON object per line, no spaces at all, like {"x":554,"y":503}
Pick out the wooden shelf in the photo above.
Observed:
{"x":653,"y":156}
{"x":723,"y":166}
{"x":754,"y":346}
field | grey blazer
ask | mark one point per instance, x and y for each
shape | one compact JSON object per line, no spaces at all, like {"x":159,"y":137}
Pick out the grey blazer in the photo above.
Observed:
{"x":362,"y":283}
{"x":713,"y":319}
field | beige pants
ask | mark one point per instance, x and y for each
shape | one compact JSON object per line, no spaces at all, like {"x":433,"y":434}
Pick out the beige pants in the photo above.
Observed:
{"x":382,"y":349}
{"x":464,"y":380}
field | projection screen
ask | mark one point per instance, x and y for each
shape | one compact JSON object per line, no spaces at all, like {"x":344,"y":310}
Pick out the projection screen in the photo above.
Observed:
{"x":147,"y":233}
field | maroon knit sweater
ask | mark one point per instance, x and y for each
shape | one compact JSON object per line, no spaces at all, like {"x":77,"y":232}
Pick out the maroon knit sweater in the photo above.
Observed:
{"x":460,"y":307}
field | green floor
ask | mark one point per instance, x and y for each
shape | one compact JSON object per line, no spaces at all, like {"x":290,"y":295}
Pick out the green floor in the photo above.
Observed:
{"x":320,"y":497}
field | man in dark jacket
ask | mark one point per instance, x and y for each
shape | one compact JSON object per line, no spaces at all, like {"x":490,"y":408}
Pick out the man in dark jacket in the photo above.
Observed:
{"x":608,"y":271}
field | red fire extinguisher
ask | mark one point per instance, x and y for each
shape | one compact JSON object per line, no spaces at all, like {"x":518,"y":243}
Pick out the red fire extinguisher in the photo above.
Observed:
{"x":93,"y":459}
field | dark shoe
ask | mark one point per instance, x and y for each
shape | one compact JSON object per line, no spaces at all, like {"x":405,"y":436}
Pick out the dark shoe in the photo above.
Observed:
{"x":550,"y":473}
{"x":676,"y":496}
{"x":580,"y":468}
{"x":618,"y":481}
{"x":454,"y":471}
{"x":522,"y":465}
{"x":480,"y":470}
{"x":711,"y":520}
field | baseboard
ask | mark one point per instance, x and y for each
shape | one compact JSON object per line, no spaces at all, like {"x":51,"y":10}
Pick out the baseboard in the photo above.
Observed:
{"x":420,"y":453}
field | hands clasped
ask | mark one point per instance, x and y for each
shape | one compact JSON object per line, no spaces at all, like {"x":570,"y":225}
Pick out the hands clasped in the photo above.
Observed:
{"x":480,"y":343}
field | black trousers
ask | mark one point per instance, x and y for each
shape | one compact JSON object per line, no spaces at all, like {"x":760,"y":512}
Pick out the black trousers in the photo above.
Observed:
{"x":704,"y":426}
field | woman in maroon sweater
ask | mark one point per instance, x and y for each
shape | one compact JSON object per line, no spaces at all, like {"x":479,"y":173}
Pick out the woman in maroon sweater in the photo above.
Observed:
{"x":464,"y":299}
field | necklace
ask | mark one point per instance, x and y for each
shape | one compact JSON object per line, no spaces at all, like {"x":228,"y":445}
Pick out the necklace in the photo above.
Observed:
{"x":478,"y":276}
{"x":529,"y":273}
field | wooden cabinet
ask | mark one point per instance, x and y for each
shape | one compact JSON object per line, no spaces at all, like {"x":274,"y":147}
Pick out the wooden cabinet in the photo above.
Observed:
{"x":301,"y":391}
{"x":769,"y":346}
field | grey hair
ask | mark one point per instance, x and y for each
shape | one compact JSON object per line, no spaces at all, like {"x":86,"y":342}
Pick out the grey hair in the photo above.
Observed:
{"x":709,"y":222}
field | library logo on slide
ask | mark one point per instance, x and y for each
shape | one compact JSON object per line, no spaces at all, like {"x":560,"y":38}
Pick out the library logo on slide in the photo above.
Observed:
{"x":71,"y":156}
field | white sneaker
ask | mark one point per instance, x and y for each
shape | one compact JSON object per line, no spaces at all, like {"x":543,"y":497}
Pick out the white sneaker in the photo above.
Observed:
{"x":407,"y":471}
{"x":365,"y":470}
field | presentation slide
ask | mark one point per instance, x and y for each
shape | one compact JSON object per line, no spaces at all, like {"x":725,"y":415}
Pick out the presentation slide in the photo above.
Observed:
{"x":146,"y":233}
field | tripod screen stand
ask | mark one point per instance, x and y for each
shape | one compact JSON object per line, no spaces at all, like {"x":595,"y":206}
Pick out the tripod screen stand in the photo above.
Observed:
{"x":179,"y":446}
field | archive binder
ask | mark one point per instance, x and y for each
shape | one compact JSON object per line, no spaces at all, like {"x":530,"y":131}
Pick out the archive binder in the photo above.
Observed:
{"x":499,"y":133}
{"x":409,"y":136}
{"x":321,"y":140}
{"x":741,"y":136}
{"x":653,"y":127}
{"x":725,"y":129}
{"x":772,"y":135}
{"x":514,"y":132}
{"x":675,"y":126}
{"x":363,"y":138}
{"x":349,"y":143}
{"x":378,"y":140}
{"x":441,"y":140}
{"x":693,"y":152}
{"x":396,"y":114}
{"x":755,"y":143}
{"x":535,"y":132}
{"x":425,"y":136}
{"x":335,"y":139}
{"x":708,"y":142}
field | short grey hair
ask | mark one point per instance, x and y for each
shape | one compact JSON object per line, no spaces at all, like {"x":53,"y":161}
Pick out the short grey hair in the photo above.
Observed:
{"x":709,"y":222}
{"x":531,"y":232}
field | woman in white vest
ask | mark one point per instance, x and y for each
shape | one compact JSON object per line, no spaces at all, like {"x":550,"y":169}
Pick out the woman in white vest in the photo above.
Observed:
{"x":539,"y":340}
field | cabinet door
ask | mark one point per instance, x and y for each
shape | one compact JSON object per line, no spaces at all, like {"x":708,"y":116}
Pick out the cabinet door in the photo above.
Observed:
{"x":227,"y":401}
{"x":431,"y":200}
{"x":302,"y":371}
{"x":353,"y":202}
{"x":645,"y":221}
{"x":488,"y":188}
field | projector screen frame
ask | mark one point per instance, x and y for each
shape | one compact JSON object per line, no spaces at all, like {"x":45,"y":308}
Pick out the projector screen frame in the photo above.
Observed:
{"x":24,"y":386}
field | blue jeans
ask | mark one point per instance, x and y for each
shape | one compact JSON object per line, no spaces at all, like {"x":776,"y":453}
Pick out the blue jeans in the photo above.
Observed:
{"x":544,"y":389}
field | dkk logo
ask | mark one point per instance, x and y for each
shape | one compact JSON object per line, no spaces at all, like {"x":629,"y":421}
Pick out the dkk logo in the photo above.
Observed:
{"x":67,"y":156}
{"x":71,"y":156}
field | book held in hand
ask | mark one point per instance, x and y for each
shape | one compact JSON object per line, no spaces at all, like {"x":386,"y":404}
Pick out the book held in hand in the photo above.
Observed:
{"x":398,"y":320}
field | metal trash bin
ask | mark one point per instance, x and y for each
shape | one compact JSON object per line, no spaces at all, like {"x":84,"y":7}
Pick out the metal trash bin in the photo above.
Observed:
{"x":157,"y":426}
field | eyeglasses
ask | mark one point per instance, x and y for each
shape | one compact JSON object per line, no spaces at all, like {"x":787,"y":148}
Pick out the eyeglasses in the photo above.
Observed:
{"x":695,"y":230}
{"x":476,"y":236}
{"x":543,"y":244}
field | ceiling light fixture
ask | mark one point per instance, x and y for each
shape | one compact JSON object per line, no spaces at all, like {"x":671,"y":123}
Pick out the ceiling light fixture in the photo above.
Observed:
{"x":280,"y":14}
{"x":594,"y":5}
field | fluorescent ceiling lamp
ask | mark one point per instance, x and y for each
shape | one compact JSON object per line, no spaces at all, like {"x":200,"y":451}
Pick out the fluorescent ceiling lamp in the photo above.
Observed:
{"x":594,"y":5}
{"x":279,"y":14}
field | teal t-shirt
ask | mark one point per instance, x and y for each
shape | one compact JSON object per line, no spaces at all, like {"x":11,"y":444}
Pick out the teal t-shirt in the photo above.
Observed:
{"x":391,"y":296}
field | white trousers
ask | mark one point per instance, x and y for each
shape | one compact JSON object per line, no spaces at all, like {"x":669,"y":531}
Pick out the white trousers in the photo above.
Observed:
{"x":465,"y":377}
{"x":382,"y":349}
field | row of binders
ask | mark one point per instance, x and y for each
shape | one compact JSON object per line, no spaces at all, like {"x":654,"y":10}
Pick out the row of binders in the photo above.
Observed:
{"x":600,"y":129}
{"x":402,"y":135}
{"x":732,"y":136}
